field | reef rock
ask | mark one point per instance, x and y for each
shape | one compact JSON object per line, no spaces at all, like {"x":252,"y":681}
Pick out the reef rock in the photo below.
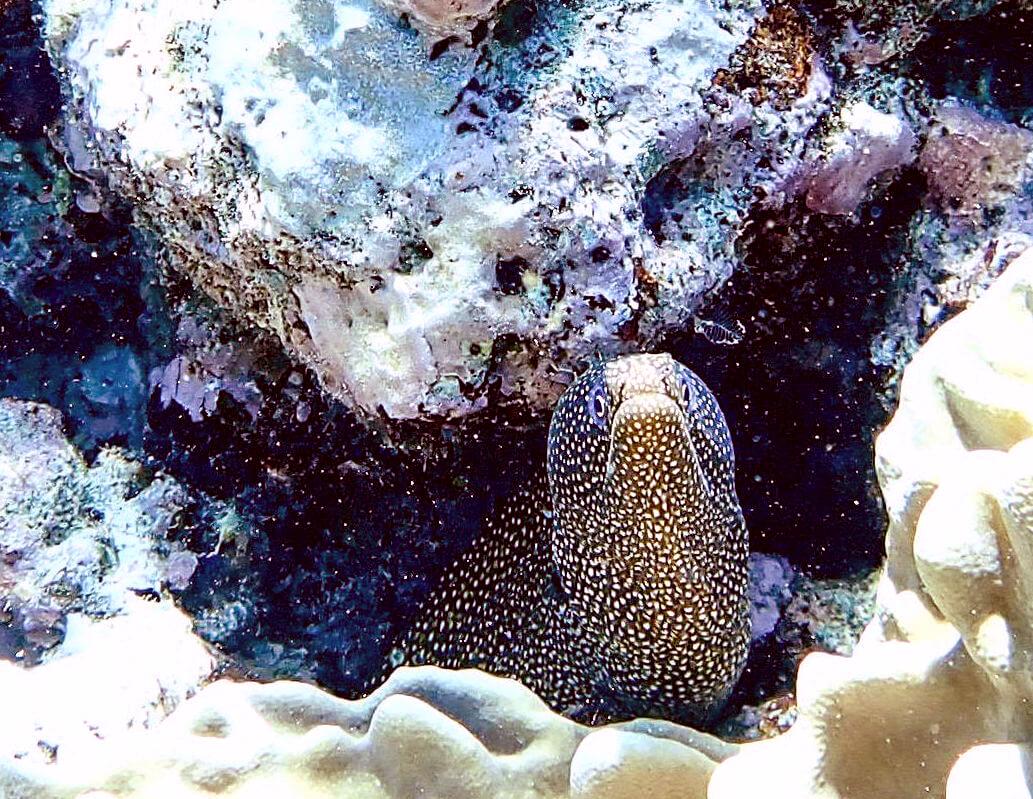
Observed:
{"x":868,"y":144}
{"x":431,"y":227}
{"x":445,"y":18}
{"x":77,"y":538}
{"x":973,"y":163}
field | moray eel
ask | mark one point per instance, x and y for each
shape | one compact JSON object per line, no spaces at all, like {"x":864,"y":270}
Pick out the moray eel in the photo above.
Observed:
{"x":619,"y":586}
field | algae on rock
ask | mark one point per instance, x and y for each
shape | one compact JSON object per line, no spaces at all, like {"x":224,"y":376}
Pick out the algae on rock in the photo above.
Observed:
{"x":420,"y":228}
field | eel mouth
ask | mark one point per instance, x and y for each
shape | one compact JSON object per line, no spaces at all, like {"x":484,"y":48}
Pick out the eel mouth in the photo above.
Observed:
{"x":649,"y":434}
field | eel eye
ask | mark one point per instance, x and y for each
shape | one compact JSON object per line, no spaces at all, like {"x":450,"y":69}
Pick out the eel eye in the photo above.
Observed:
{"x":597,"y":405}
{"x":688,"y":391}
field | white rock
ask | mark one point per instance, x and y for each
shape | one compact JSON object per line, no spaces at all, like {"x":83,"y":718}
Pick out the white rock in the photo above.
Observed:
{"x":108,"y":680}
{"x":393,"y":218}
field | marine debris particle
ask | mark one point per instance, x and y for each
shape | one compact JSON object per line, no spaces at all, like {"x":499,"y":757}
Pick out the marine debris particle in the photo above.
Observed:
{"x":619,"y":585}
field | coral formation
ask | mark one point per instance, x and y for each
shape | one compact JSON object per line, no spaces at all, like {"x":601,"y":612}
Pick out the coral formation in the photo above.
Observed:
{"x":972,"y":163}
{"x":428,"y":244}
{"x":204,"y":370}
{"x":445,"y":18}
{"x":868,"y":144}
{"x":89,"y":691}
{"x":427,"y":732}
{"x":942,"y":667}
{"x":521,"y":185}
{"x":576,"y":181}
{"x":775,"y":62}
{"x":75,"y":538}
{"x":941,"y":670}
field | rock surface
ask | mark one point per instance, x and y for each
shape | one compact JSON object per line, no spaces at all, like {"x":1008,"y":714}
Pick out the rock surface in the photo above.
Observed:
{"x":105,"y":683}
{"x":77,"y":538}
{"x":426,"y":230}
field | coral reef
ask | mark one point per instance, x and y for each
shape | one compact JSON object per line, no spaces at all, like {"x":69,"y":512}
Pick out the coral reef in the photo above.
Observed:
{"x":205,"y":369}
{"x":520,"y":186}
{"x":77,"y":538}
{"x":941,"y":669}
{"x":431,"y":244}
{"x":775,"y":62}
{"x":770,"y":578}
{"x":973,"y":163}
{"x":869,"y":143}
{"x":527,"y":242}
{"x":426,"y":732}
{"x":89,"y":691}
{"x":446,"y":19}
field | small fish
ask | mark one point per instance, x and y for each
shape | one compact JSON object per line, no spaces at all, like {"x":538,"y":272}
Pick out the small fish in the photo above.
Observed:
{"x":722,"y":328}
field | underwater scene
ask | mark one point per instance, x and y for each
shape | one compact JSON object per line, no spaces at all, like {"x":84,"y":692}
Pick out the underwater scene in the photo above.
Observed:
{"x":498,"y":399}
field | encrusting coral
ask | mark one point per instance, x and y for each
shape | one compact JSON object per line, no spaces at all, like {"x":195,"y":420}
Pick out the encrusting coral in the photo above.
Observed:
{"x":941,"y":671}
{"x":944,"y":665}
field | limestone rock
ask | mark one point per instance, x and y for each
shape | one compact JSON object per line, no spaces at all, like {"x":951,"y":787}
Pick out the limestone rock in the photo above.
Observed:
{"x":444,"y":18}
{"x":432,"y":230}
{"x":972,"y":162}
{"x":868,"y":144}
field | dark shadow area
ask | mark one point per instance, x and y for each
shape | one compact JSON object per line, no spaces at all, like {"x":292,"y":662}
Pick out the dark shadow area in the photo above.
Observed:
{"x":345,"y":533}
{"x":30,"y":96}
{"x":986,"y":60}
{"x":801,"y":396}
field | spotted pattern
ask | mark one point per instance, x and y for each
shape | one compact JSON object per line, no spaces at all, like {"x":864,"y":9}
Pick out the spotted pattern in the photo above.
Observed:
{"x":621,"y":580}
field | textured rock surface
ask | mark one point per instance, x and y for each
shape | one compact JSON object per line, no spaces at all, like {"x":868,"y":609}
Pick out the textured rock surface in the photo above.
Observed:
{"x":106,"y":681}
{"x":77,"y":538}
{"x":420,"y":241}
{"x":445,"y":18}
{"x":974,"y":163}
{"x":868,"y":143}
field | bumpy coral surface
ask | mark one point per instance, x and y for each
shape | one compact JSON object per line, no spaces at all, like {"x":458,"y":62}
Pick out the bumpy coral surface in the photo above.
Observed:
{"x":91,"y":689}
{"x":426,"y":732}
{"x":945,"y":664}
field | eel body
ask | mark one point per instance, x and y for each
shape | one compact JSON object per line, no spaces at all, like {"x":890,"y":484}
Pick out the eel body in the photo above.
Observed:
{"x":618,"y":586}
